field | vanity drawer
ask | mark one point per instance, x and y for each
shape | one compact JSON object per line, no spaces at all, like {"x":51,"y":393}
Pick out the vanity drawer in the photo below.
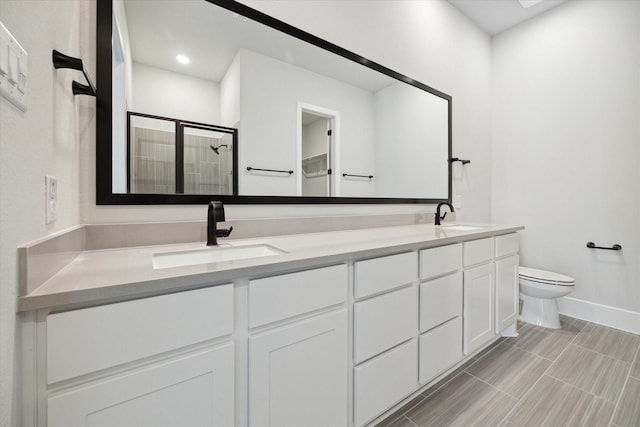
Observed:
{"x":507,"y":244}
{"x":382,"y":382}
{"x":381,"y":274}
{"x":280,"y":297}
{"x":441,"y":260}
{"x":477,"y":251}
{"x":384,"y":321}
{"x":87,"y":340}
{"x":440,"y":300}
{"x":440,"y":349}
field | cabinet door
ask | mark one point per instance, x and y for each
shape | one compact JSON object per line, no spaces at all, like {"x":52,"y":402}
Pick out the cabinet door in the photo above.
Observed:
{"x":384,"y":321}
{"x":298,"y":373}
{"x":440,"y":300}
{"x":479,"y":309}
{"x":383,"y":381}
{"x":440,"y":349}
{"x":506,"y":292}
{"x":193,"y":390}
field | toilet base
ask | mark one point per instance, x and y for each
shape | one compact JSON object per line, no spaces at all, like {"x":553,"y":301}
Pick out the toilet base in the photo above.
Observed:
{"x":540,"y":311}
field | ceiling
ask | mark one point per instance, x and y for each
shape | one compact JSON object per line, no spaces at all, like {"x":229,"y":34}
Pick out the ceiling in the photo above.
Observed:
{"x":211,"y":36}
{"x":495,"y":16}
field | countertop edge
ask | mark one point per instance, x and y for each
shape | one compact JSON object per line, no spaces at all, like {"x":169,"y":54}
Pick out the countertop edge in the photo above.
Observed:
{"x":108,"y":294}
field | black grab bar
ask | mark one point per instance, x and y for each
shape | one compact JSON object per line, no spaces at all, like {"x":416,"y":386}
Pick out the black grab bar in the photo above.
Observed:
{"x":615,"y":247}
{"x":249,"y":168}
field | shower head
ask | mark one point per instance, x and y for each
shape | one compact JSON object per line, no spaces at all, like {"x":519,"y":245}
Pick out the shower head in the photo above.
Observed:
{"x":216,"y":149}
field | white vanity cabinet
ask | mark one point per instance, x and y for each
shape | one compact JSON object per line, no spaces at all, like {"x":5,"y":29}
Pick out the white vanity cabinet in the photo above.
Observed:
{"x":479,"y":294}
{"x":339,"y":344}
{"x":507,"y":288}
{"x":298,"y":363}
{"x":385,"y":321}
{"x":440,"y":343}
{"x":166,"y":360}
{"x":194,"y":390}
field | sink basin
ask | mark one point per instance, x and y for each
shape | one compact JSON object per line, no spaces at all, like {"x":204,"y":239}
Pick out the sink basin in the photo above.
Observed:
{"x":460,"y":227}
{"x":212,"y":254}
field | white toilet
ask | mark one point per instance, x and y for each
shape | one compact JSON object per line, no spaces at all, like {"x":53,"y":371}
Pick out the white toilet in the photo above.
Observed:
{"x":539,"y":290}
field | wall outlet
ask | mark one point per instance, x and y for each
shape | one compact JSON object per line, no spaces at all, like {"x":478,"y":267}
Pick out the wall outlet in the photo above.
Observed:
{"x":51,"y":199}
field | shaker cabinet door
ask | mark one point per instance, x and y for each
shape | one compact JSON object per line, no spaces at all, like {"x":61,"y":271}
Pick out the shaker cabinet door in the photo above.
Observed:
{"x":193,"y":390}
{"x":479,"y":307}
{"x":298,"y":373}
{"x":507,"y":295}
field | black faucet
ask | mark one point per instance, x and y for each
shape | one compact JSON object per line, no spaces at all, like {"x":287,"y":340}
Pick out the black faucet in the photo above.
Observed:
{"x":215,"y":214}
{"x":438,"y":217}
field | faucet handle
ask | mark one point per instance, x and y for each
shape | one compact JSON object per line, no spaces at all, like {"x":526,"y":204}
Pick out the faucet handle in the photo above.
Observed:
{"x":222,"y":232}
{"x":218,"y":210}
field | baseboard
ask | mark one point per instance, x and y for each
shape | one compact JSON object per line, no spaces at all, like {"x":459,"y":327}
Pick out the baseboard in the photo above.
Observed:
{"x":618,"y":318}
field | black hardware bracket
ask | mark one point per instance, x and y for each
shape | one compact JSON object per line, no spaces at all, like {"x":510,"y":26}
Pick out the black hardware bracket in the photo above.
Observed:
{"x":60,"y":60}
{"x":455,"y":159}
{"x":615,"y":247}
{"x":358,"y":176}
{"x":249,"y":168}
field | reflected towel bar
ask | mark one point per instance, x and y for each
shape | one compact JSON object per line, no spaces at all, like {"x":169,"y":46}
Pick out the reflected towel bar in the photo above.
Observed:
{"x":455,"y":159}
{"x":358,"y":176}
{"x":616,"y":247}
{"x":249,"y":168}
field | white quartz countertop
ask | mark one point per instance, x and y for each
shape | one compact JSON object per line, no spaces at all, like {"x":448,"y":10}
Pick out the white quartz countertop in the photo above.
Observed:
{"x":104,"y":276}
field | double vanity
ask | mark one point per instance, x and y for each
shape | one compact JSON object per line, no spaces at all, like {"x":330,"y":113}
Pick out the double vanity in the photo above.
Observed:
{"x":321,"y":329}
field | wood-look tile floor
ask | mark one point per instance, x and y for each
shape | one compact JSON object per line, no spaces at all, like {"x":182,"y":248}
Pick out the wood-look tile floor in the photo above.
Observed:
{"x":580,"y":375}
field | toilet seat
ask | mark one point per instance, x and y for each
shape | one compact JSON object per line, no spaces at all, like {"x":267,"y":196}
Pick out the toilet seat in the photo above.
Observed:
{"x":545,"y":277}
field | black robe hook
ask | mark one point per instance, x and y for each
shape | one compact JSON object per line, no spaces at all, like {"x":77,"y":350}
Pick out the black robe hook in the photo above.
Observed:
{"x":60,"y":60}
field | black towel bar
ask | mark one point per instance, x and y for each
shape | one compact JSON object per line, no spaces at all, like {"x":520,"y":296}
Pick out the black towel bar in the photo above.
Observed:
{"x":358,"y":176}
{"x":615,"y":247}
{"x":249,"y":168}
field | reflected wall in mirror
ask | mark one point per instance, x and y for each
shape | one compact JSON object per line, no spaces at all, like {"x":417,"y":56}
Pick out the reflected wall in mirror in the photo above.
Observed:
{"x":348,"y":133}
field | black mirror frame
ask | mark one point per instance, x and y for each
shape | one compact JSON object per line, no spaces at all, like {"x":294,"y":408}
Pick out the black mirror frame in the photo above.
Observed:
{"x":104,"y":194}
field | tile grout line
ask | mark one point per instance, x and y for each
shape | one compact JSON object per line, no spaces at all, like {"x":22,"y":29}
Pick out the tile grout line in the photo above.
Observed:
{"x":410,"y":420}
{"x":624,"y":386}
{"x":506,"y":417}
{"x":608,"y":327}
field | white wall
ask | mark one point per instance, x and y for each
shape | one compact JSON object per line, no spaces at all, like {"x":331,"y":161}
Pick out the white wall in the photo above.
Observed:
{"x":411,"y":132}
{"x":44,"y":140}
{"x":230,"y":94}
{"x":566,"y":146}
{"x":270,"y":93}
{"x":121,"y":94}
{"x":178,"y":96}
{"x":429,"y":41}
{"x":426,"y":40}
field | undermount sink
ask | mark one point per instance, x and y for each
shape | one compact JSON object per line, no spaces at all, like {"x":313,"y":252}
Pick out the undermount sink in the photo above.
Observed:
{"x":460,"y":227}
{"x":212,"y":254}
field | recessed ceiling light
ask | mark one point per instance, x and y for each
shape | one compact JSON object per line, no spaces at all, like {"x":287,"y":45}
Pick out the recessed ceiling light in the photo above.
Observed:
{"x":528,"y":3}
{"x":182,"y":59}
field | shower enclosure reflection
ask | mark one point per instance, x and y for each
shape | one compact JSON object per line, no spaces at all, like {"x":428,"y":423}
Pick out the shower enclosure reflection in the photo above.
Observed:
{"x":168,"y":155}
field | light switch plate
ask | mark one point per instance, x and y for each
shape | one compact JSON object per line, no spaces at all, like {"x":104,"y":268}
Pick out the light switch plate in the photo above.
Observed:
{"x":51,"y":199}
{"x":13,"y":70}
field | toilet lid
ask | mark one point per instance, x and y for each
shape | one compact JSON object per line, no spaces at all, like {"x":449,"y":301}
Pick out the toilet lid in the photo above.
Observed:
{"x":544,"y":276}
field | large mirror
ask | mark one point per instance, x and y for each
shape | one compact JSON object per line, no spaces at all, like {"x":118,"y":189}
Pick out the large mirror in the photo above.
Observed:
{"x":201,"y":100}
